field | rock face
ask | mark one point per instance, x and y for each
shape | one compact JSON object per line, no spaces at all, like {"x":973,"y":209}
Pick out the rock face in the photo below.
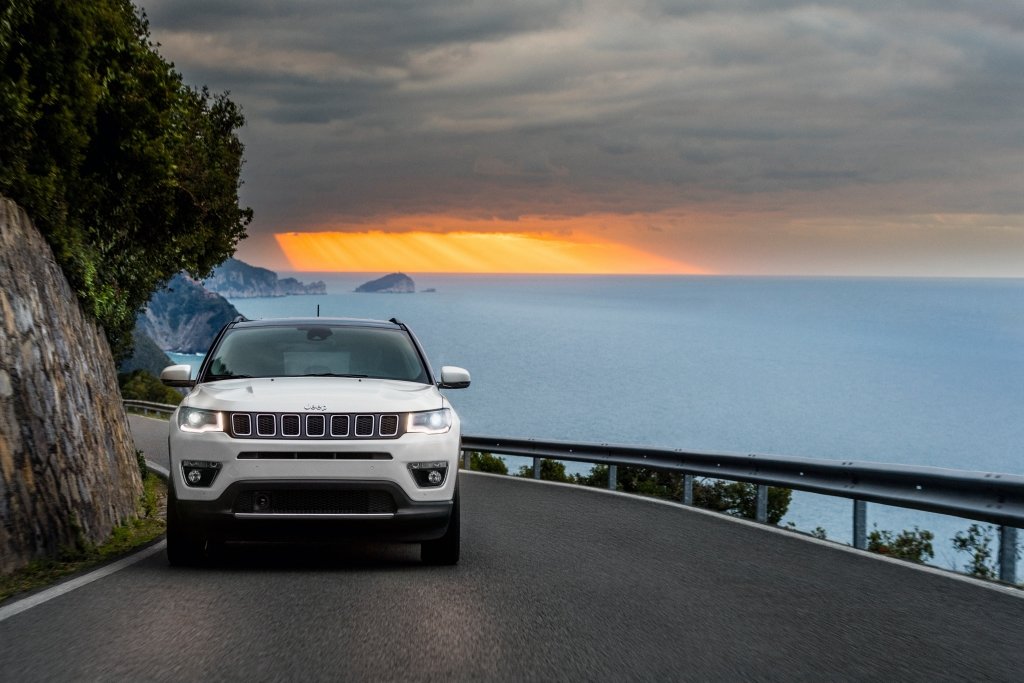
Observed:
{"x":68,"y":472}
{"x":236,"y":279}
{"x":395,"y":283}
{"x":184,"y":317}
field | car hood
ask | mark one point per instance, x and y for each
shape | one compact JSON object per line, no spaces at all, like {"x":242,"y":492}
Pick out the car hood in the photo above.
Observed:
{"x":315,"y":394}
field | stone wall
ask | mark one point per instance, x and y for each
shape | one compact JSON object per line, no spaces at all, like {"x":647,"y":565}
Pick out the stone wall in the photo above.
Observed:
{"x":68,"y":473}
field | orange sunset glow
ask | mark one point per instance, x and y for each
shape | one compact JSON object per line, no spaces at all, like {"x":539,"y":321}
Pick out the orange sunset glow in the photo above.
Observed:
{"x":471,"y":252}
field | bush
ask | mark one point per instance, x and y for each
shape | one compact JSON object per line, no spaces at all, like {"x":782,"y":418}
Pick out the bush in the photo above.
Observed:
{"x":550,"y":470}
{"x":487,"y":462}
{"x":977,"y":542}
{"x":734,"y":498}
{"x":915,"y":546}
{"x":139,"y":385}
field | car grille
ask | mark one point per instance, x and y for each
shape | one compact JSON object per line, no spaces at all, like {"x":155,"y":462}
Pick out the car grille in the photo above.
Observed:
{"x":316,"y":426}
{"x":316,"y":502}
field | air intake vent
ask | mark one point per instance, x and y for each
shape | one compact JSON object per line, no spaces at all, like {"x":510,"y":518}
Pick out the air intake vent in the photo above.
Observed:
{"x":290,"y":425}
{"x":266,"y":425}
{"x":364,"y":425}
{"x":388,"y":425}
{"x":241,"y":424}
{"x":315,"y":425}
{"x":339,"y":425}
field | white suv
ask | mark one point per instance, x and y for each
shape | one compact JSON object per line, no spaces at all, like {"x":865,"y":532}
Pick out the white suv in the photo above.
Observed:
{"x":314,"y":429}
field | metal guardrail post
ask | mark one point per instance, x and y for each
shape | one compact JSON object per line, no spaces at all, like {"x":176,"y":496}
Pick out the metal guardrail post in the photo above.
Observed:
{"x":762,"y":503}
{"x":687,"y":489}
{"x":467,"y":460}
{"x":536,"y":468}
{"x":1008,"y":554}
{"x":860,"y":524}
{"x":613,"y":475}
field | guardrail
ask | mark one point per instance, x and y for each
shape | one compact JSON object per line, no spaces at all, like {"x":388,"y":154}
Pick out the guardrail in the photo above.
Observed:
{"x":983,"y":496}
{"x":147,"y":407}
{"x":987,"y":497}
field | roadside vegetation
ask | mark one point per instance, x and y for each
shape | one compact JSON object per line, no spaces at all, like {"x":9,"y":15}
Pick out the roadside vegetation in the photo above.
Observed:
{"x":140,"y":385}
{"x":145,"y":528}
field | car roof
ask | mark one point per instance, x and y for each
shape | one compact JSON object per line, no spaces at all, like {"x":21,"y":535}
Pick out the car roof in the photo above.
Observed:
{"x":329,"y":322}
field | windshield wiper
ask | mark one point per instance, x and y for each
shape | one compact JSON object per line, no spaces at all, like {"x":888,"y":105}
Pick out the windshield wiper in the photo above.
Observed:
{"x":330,"y":374}
{"x":214,"y":378}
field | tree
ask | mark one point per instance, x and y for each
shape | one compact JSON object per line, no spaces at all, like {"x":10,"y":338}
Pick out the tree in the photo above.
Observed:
{"x":487,"y":462}
{"x":139,"y":385}
{"x":734,"y":498}
{"x":550,"y":470}
{"x":915,"y":546}
{"x":977,"y":541}
{"x":131,"y":175}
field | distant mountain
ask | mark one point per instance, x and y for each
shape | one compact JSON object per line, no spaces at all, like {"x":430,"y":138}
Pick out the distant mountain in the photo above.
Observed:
{"x":395,"y":283}
{"x":184,"y":317}
{"x":236,"y":279}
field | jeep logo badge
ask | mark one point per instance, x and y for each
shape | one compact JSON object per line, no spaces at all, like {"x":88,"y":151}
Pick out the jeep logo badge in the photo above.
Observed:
{"x":317,"y":407}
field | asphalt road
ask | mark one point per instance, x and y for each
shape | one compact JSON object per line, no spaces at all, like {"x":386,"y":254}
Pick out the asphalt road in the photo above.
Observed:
{"x":555,"y":583}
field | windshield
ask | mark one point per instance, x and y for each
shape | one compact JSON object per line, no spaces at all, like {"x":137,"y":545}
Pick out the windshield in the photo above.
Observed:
{"x":316,"y":351}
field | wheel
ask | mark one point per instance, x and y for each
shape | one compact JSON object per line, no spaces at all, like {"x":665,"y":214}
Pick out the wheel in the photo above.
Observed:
{"x":445,"y":550}
{"x":184,"y":548}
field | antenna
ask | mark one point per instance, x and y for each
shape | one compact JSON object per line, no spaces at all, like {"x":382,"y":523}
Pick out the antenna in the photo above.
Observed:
{"x":318,"y":310}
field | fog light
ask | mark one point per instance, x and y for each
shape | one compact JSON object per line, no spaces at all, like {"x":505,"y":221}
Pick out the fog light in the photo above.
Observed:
{"x":199,"y":473}
{"x":429,"y":474}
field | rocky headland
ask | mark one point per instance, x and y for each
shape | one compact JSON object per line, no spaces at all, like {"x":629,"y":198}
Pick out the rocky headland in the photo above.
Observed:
{"x":236,"y":279}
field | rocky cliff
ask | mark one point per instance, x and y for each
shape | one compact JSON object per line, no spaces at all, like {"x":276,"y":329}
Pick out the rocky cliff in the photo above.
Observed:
{"x":236,"y":279}
{"x":68,"y":472}
{"x":395,"y":283}
{"x":184,"y":317}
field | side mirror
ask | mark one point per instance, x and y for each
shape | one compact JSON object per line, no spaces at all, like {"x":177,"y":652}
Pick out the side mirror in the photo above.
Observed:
{"x":454,"y":378}
{"x":177,"y":376}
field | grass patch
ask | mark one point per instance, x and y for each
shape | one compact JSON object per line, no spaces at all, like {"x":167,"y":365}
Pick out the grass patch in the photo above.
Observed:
{"x":148,"y":526}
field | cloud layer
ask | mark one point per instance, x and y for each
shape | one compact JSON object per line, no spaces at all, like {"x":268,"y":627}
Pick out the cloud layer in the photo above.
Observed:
{"x":811,"y":129}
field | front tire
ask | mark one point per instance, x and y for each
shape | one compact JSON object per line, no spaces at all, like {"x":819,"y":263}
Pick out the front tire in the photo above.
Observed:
{"x":184,"y":547}
{"x":445,"y":550}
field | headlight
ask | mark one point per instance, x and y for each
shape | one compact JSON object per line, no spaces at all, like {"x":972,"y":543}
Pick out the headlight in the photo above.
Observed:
{"x":195,"y":420}
{"x":431,"y":422}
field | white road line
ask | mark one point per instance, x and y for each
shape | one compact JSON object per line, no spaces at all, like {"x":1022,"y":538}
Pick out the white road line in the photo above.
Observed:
{"x":8,"y":611}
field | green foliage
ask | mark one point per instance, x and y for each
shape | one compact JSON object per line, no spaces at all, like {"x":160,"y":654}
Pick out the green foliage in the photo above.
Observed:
{"x":137,"y":532}
{"x":139,"y":385}
{"x":915,"y":546}
{"x":734,"y":498}
{"x":977,"y":542}
{"x":487,"y":462}
{"x":550,"y":470}
{"x":130,"y":174}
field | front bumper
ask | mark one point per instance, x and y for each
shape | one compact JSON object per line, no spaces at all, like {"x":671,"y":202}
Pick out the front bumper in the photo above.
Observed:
{"x":231,"y":516}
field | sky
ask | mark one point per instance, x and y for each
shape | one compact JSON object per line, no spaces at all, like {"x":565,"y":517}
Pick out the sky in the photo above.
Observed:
{"x":775,"y":137}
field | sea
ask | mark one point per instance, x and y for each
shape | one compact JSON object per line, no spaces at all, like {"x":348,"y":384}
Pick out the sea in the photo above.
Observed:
{"x":911,"y":371}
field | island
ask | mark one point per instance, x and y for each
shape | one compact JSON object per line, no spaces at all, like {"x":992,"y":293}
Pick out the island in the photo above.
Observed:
{"x":236,"y":279}
{"x":395,"y":283}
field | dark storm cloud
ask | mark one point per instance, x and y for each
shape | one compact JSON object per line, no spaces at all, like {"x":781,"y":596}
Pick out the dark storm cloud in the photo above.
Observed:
{"x":506,"y":108}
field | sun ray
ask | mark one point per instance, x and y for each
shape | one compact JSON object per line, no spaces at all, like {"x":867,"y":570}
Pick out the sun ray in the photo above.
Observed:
{"x":470,"y":252}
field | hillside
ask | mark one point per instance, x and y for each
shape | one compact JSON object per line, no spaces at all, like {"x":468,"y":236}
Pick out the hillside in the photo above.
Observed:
{"x":236,"y":279}
{"x":184,"y":316}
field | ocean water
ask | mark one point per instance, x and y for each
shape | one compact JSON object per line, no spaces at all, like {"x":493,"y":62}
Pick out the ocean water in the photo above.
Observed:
{"x":920,"y":372}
